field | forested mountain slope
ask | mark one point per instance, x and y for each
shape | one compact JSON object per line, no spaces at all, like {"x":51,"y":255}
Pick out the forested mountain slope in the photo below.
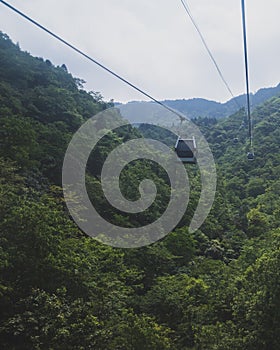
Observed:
{"x":217,"y":288}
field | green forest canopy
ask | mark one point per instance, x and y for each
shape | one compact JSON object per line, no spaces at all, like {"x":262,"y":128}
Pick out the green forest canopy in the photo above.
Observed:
{"x":217,"y":288}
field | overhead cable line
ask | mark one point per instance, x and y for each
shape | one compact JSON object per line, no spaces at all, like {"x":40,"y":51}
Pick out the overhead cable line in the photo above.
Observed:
{"x":188,"y":11}
{"x":59,"y":38}
{"x":250,"y":122}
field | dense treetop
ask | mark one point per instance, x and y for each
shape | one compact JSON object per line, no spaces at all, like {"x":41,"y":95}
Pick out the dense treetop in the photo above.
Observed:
{"x":217,"y":288}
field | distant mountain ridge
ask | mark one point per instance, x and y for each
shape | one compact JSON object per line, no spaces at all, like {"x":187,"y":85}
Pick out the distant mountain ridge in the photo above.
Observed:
{"x":198,"y":107}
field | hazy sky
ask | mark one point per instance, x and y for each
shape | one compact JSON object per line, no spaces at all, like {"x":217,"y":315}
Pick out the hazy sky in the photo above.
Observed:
{"x":153,"y":44}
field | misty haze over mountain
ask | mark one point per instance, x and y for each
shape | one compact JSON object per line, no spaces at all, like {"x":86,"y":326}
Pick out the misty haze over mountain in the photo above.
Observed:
{"x":196,"y":107}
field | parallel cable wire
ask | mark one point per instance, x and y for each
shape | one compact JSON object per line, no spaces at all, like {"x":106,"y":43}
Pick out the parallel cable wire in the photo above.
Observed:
{"x":59,"y":38}
{"x":188,"y":11}
{"x":250,"y":121}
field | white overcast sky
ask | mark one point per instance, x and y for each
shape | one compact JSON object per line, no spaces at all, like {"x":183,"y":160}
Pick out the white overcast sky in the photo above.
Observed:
{"x":153,"y":44}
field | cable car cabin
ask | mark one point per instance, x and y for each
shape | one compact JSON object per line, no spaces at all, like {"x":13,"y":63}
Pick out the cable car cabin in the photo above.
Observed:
{"x":186,"y":150}
{"x":235,"y":140}
{"x":250,"y":156}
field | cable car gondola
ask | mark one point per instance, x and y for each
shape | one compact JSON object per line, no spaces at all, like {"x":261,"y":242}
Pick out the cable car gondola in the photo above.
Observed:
{"x":235,"y":140}
{"x":186,"y":150}
{"x":250,"y":156}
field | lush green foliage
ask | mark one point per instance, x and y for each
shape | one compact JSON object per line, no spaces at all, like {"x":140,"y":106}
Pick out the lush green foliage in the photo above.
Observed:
{"x":217,"y":288}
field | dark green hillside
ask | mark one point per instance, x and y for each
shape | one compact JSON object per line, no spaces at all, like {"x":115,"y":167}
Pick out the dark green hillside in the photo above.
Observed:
{"x":249,"y":184}
{"x":40,"y":105}
{"x":215,"y":289}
